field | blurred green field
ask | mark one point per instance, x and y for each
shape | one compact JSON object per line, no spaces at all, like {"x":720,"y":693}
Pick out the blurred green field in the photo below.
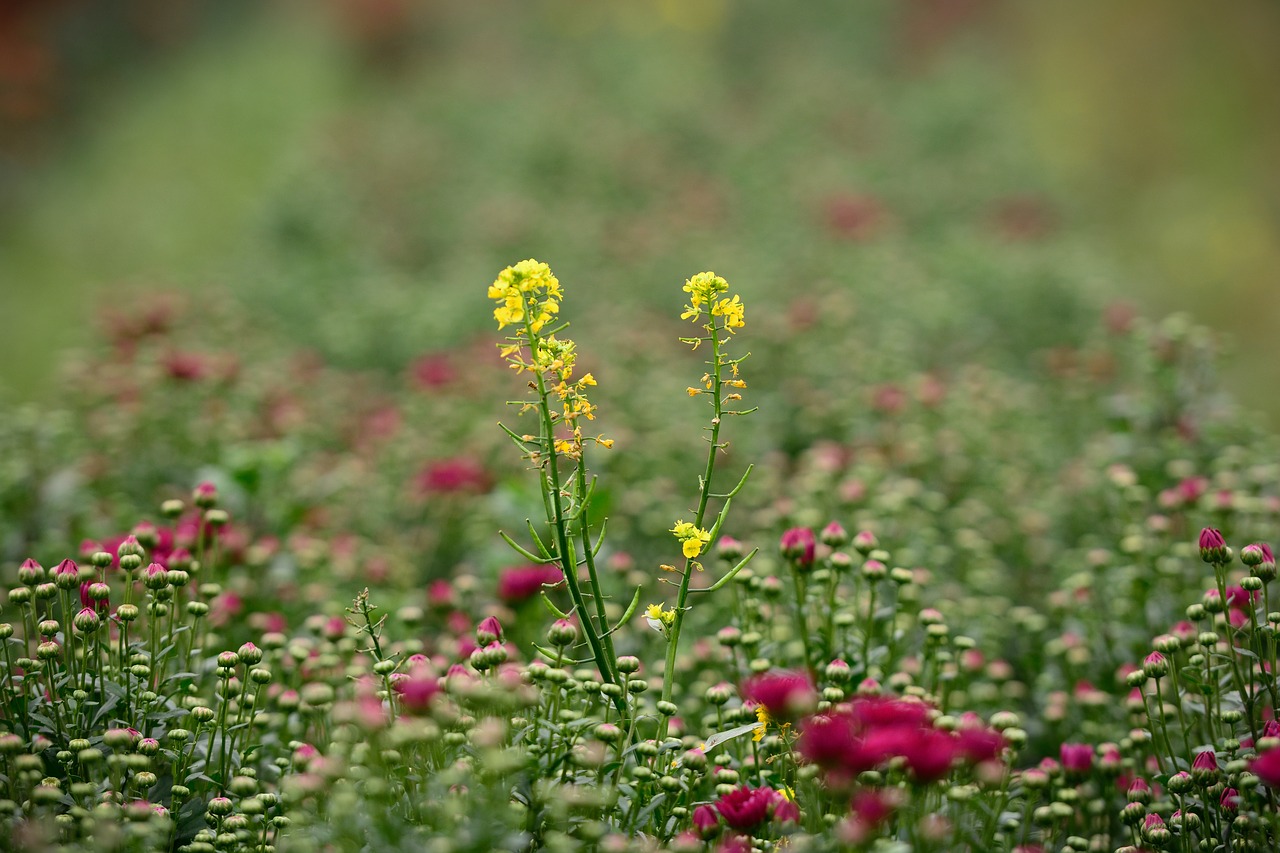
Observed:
{"x":356,"y":179}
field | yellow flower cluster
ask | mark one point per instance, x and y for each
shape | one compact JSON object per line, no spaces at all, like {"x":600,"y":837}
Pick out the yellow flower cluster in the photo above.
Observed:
{"x":708,"y":292}
{"x":692,"y":539}
{"x":527,"y":292}
{"x":659,"y":619}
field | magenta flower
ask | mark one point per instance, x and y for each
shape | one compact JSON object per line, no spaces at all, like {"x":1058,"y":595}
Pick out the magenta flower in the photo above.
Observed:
{"x":488,"y":631}
{"x":417,"y":690}
{"x":745,"y":808}
{"x":1213,"y":548}
{"x":798,"y":545}
{"x":1267,"y":767}
{"x":783,"y":694}
{"x":523,"y":582}
{"x":1076,"y":757}
{"x":452,"y":476}
{"x":705,"y":821}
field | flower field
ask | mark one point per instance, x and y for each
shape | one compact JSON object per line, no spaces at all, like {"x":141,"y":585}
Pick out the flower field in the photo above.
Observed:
{"x":897,"y":533}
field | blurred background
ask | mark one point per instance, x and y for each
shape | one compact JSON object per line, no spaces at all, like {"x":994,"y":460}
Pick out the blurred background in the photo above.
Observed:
{"x":353,"y":172}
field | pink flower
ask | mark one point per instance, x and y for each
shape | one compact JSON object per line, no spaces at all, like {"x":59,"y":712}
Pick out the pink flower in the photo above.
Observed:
{"x":784,"y":694}
{"x":798,"y":546}
{"x":786,"y":811}
{"x":930,"y":754}
{"x":979,"y":744}
{"x":522,"y":582}
{"x":488,"y":631}
{"x":1267,"y":767}
{"x":434,"y":370}
{"x":417,"y":690}
{"x":452,"y":476}
{"x":1230,"y":800}
{"x":1076,"y":757}
{"x":745,"y":808}
{"x":705,"y":821}
{"x":1213,"y":548}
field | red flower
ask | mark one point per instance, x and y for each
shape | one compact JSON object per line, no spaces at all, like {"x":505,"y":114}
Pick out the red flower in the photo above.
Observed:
{"x":523,"y":582}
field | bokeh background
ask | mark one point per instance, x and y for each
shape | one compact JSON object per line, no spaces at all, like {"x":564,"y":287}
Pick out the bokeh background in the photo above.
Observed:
{"x":353,"y":172}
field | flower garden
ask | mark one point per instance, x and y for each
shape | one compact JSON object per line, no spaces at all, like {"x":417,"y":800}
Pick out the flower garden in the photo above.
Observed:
{"x":895,"y":540}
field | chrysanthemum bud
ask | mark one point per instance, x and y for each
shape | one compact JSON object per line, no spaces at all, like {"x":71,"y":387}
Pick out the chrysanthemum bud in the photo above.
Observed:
{"x":562,"y":633}
{"x":1213,"y":548}
{"x":864,"y":542}
{"x":205,"y":495}
{"x":86,"y":621}
{"x":30,"y":572}
{"x":220,"y":806}
{"x":874,"y":570}
{"x":488,"y":631}
{"x":834,"y":535}
{"x":250,"y":654}
{"x":156,"y":577}
{"x":798,"y":545}
{"x":67,"y":575}
{"x":729,"y":549}
{"x":1155,"y":665}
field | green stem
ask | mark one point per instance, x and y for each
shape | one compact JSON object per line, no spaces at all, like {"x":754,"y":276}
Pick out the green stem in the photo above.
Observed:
{"x":568,"y":556}
{"x":673,"y":644}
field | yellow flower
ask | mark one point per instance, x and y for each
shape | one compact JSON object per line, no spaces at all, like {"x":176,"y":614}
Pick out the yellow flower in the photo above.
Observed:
{"x":764,"y":719}
{"x":521,"y":285}
{"x":692,"y":539}
{"x":659,"y":619}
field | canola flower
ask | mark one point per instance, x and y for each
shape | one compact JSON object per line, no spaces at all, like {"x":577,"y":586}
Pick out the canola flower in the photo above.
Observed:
{"x":693,"y":540}
{"x":659,"y":618}
{"x":529,"y":296}
{"x":705,"y":291}
{"x":527,"y":292}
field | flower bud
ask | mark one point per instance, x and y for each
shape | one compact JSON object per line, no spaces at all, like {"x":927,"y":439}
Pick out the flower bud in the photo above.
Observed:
{"x":562,"y":633}
{"x":729,"y":549}
{"x":488,"y":631}
{"x":1155,"y":665}
{"x":250,"y":654}
{"x":67,"y":575}
{"x":205,"y":495}
{"x":86,"y":621}
{"x":864,"y":542}
{"x":220,"y":806}
{"x":156,"y":577}
{"x":798,"y":546}
{"x":1213,"y":548}
{"x":30,"y":572}
{"x":834,"y":535}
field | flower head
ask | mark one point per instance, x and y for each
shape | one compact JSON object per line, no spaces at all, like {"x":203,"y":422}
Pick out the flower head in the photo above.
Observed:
{"x":526,"y":292}
{"x":746,"y":808}
{"x":692,"y":539}
{"x":783,"y":694}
